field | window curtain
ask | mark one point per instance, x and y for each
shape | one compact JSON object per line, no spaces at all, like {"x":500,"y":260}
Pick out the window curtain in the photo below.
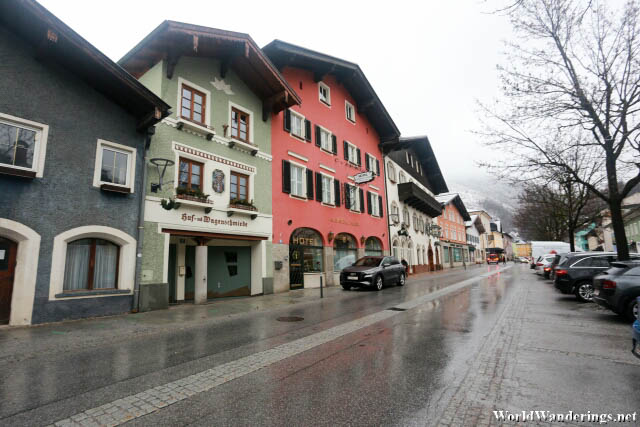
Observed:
{"x":76,"y":271}
{"x":104,"y":273}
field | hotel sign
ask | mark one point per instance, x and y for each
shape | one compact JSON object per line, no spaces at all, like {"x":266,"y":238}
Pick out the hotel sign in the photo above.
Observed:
{"x":363,"y":177}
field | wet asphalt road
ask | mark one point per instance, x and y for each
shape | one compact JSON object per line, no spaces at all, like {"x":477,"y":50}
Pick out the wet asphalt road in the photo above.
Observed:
{"x":507,"y":342}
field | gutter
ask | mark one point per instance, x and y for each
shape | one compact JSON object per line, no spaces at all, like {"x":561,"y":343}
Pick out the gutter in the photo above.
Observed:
{"x":135,"y":306}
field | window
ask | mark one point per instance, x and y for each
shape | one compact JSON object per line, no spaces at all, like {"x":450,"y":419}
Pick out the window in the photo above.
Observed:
{"x":375,"y":202}
{"x":297,"y":125}
{"x":391,"y":172}
{"x":327,"y":190}
{"x":298,"y":181}
{"x":352,"y":153}
{"x":402,"y":178}
{"x":114,"y":166}
{"x":350,"y":112}
{"x":373,"y":247}
{"x":239,"y":125}
{"x":324,"y":93}
{"x":372,"y":164}
{"x":91,"y":264}
{"x":354,"y":202}
{"x":326,"y":143}
{"x":190,"y":174}
{"x":345,"y":251}
{"x":22,"y":144}
{"x":395,"y":213}
{"x":193,"y":104}
{"x":405,"y":217}
{"x":239,"y":189}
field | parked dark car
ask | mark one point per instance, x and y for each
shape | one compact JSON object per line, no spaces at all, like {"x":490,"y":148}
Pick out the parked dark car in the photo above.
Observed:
{"x":575,"y":275}
{"x":618,"y":288}
{"x":560,"y":259}
{"x":373,"y":271}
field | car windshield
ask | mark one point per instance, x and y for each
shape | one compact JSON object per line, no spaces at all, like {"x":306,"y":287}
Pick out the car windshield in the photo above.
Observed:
{"x":368,"y":262}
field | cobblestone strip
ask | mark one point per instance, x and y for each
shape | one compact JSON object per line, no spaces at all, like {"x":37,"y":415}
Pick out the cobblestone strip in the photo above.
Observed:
{"x":128,"y":408}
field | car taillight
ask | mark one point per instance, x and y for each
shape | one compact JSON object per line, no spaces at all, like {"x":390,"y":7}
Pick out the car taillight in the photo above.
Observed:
{"x":547,"y":269}
{"x":539,"y":264}
{"x":561,"y":272}
{"x":608,"y":284}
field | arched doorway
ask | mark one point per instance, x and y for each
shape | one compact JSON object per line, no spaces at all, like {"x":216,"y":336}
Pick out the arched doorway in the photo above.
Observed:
{"x":373,"y":247}
{"x":430,"y":256}
{"x":345,"y":251}
{"x":8,"y":254}
{"x":305,"y":255}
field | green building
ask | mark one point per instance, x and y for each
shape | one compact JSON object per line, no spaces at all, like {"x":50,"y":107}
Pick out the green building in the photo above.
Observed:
{"x":207,"y":211}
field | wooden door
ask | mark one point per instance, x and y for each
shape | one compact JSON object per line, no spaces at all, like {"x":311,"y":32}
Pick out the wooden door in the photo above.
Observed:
{"x":8,"y":250}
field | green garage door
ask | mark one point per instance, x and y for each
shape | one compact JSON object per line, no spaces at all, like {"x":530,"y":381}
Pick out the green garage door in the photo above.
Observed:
{"x":229,"y":271}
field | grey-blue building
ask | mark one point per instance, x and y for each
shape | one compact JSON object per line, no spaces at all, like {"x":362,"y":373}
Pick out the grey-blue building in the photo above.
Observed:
{"x":73,"y":130}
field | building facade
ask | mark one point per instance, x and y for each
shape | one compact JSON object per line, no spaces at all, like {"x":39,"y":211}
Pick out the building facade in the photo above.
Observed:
{"x":73,"y":129}
{"x":455,"y":251}
{"x":413,"y":178}
{"x":323,"y":219}
{"x":208,"y":212}
{"x":475,"y":230}
{"x":484,"y":220}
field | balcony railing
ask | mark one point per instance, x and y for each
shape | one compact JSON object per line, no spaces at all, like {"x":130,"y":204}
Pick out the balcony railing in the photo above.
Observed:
{"x":414,"y":196}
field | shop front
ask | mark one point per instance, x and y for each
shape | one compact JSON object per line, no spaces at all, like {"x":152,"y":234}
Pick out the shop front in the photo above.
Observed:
{"x":305,"y":258}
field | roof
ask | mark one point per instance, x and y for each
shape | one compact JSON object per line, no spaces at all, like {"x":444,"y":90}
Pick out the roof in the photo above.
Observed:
{"x":422,"y":147}
{"x":348,"y":74}
{"x":447,"y":198}
{"x":479,"y":212}
{"x":237,"y":51}
{"x":57,"y":42}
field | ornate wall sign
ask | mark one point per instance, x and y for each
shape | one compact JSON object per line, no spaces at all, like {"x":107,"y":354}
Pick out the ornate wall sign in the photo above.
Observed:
{"x":217,"y":182}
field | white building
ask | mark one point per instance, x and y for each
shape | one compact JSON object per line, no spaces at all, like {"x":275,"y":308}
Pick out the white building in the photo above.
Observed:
{"x":413,"y":177}
{"x":475,"y":230}
{"x":485,"y":220}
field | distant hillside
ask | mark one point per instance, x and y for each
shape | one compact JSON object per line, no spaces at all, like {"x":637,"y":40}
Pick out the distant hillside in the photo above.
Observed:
{"x":484,"y":192}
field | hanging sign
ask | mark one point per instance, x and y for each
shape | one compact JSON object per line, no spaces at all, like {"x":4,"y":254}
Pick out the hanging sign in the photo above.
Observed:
{"x":363,"y":177}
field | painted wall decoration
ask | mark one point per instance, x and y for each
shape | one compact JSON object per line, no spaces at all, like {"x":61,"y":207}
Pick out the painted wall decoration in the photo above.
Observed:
{"x":218,"y":181}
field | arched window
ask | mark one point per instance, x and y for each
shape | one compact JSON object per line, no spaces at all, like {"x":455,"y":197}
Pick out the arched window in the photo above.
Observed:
{"x":402,"y":178}
{"x":405,"y":217}
{"x":345,"y":251}
{"x":395,"y":213}
{"x":91,"y":264}
{"x":372,"y":247}
{"x":415,"y":222}
{"x":395,"y":249}
{"x":306,"y":243}
{"x":391,"y":171}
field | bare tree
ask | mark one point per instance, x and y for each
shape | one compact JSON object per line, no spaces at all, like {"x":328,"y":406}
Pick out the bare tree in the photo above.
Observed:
{"x":571,"y":99}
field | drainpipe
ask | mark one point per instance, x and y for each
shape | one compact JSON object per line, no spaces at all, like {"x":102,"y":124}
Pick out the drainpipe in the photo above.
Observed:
{"x":143,"y":187}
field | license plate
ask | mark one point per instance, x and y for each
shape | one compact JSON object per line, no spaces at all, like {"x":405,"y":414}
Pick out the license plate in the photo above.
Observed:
{"x":596,"y":292}
{"x":353,"y":277}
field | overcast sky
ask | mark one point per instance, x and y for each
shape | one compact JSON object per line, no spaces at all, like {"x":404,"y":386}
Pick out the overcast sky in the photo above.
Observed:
{"x":428,"y":61}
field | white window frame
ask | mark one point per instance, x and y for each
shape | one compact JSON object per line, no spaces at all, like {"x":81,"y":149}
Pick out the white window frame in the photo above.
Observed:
{"x":402,"y":178}
{"x":391,"y":172}
{"x":207,"y":103}
{"x":329,"y":140}
{"x":39,"y":151}
{"x":352,"y":149}
{"x":395,"y":210}
{"x":303,"y":130}
{"x":323,"y":85}
{"x":371,"y":160}
{"x":293,"y":165}
{"x":131,"y":164}
{"x":375,"y":204}
{"x":331,"y":189}
{"x":251,"y":117}
{"x":349,"y":107}
{"x":354,"y":190}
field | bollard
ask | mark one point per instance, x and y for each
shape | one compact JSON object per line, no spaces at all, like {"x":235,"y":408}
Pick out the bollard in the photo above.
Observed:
{"x":321,"y":295}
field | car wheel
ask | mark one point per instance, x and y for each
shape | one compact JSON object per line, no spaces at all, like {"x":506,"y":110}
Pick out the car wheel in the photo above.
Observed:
{"x":631,"y":313}
{"x":401,"y":280}
{"x":346,"y":287}
{"x":378,"y":283}
{"x":584,"y":291}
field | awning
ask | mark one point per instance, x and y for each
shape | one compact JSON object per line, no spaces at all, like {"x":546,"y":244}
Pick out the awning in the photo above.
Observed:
{"x":414,"y":196}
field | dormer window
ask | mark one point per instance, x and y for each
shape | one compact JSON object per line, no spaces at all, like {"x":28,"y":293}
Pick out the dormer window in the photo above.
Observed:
{"x":324,"y":93}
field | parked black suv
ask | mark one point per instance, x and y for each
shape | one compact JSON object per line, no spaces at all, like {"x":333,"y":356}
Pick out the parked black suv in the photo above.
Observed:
{"x":574,"y":275}
{"x":618,"y":288}
{"x":376,"y":271}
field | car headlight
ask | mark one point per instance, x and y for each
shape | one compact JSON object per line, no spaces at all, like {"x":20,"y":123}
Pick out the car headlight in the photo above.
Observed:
{"x":367,"y":275}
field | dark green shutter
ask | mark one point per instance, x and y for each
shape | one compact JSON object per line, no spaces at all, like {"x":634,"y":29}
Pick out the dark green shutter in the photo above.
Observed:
{"x":369,"y":205}
{"x":361,"y":199}
{"x":318,"y":187}
{"x":336,"y":189}
{"x":287,"y":120}
{"x":377,"y":167}
{"x":307,"y":130}
{"x":286,"y":176}
{"x":334,"y":143}
{"x":346,"y":150}
{"x":358,"y":157}
{"x":347,"y":196}
{"x":380,"y":206}
{"x":309,"y":184}
{"x":318,"y":143}
{"x":366,"y":161}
